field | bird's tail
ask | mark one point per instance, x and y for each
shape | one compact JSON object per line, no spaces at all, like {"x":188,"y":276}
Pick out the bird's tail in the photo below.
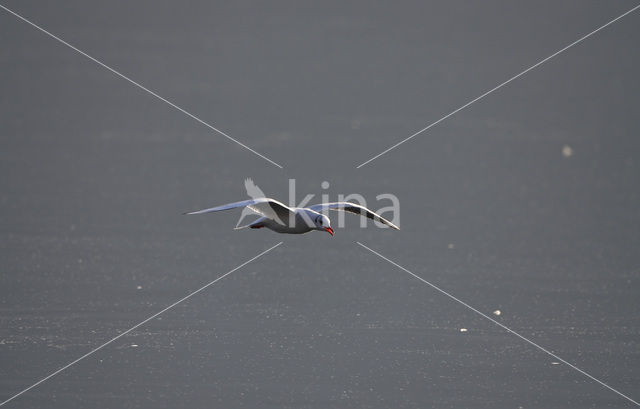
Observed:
{"x":257,"y":221}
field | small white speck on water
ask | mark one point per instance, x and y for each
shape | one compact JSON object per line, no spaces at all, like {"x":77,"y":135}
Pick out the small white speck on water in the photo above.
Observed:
{"x":139,"y":287}
{"x":134,"y":345}
{"x":567,"y":151}
{"x":463,"y":330}
{"x":555,"y":363}
{"x":497,"y":312}
{"x":451,"y":246}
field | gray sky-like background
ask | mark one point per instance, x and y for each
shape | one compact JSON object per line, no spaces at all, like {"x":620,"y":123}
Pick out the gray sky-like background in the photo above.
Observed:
{"x":94,"y":174}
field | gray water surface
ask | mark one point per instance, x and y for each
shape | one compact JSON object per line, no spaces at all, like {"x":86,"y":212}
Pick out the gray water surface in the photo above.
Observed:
{"x":95,"y":173}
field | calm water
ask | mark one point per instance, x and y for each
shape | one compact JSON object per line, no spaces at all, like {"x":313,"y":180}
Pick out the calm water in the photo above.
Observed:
{"x":95,"y":173}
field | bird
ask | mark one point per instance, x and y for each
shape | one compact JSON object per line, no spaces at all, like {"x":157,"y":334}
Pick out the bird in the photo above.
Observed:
{"x":294,"y":220}
{"x":254,"y":192}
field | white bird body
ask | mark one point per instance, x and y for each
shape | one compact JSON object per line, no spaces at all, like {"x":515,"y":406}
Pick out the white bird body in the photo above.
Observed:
{"x":295,"y":220}
{"x":298,"y":226}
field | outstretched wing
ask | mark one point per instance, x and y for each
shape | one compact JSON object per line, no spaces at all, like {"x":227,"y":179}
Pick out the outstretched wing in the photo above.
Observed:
{"x":353,"y":208}
{"x":264,"y":206}
{"x":252,"y":189}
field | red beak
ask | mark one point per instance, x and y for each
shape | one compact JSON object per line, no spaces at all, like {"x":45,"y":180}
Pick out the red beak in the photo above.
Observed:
{"x":330,"y":230}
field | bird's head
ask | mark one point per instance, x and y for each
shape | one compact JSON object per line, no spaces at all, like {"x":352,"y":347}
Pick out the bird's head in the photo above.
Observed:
{"x":322,"y":222}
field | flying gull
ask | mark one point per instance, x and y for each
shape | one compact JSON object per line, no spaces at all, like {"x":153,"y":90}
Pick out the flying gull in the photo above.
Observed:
{"x":295,"y":220}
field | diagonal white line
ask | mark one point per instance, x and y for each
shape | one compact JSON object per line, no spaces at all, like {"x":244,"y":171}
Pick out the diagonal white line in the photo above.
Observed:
{"x":138,"y":85}
{"x":138,"y":325}
{"x":498,"y":86}
{"x":499,"y":324}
